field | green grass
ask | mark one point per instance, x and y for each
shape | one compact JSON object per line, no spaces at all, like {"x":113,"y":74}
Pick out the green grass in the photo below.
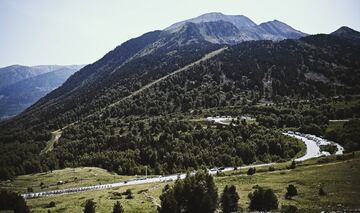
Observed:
{"x":340,"y":178}
{"x":104,"y":200}
{"x":85,"y":176}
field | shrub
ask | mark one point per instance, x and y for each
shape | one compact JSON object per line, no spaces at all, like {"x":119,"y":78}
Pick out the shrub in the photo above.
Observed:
{"x":322,"y":191}
{"x":118,"y":208}
{"x":30,"y":189}
{"x":90,"y":206}
{"x":263,"y":200}
{"x":271,"y":168}
{"x":289,"y":209}
{"x":51,"y":204}
{"x":129,"y":194}
{"x":291,"y":191}
{"x":292,"y":165}
{"x":329,"y":148}
{"x":251,"y":171}
{"x":12,"y":201}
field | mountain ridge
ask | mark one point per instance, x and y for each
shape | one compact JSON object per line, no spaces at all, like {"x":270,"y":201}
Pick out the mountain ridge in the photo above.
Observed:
{"x":347,"y":32}
{"x":272,"y":30}
{"x":18,"y":95}
{"x":246,"y":72}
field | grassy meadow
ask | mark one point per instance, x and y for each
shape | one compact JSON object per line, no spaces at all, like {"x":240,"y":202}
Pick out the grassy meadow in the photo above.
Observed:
{"x":340,"y":178}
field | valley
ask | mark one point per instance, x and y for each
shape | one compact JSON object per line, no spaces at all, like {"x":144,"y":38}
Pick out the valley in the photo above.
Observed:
{"x":312,"y":150}
{"x":177,"y":120}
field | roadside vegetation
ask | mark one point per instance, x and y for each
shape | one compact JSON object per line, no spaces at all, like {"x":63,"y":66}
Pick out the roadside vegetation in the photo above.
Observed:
{"x":62,"y":179}
{"x":337,"y":176}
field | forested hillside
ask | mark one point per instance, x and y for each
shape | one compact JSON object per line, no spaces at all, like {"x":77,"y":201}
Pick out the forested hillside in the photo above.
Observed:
{"x":154,"y":127}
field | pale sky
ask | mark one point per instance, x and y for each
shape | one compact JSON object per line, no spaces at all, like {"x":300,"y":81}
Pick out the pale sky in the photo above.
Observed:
{"x":34,"y":32}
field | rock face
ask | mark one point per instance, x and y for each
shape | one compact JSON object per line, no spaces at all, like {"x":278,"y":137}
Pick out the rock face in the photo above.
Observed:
{"x":231,"y":29}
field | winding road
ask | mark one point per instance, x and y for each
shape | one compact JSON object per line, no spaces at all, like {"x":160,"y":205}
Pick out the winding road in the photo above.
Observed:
{"x":312,"y":151}
{"x":312,"y":146}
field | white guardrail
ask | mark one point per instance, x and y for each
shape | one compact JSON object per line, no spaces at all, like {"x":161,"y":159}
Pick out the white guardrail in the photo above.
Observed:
{"x":312,"y":143}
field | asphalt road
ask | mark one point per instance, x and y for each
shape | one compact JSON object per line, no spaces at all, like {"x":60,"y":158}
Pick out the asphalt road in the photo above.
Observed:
{"x":312,"y":151}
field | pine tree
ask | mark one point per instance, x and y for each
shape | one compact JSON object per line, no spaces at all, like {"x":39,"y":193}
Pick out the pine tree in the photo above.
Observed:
{"x":291,"y":191}
{"x":12,"y":201}
{"x":229,"y":199}
{"x":90,"y":206}
{"x":168,"y":201}
{"x":196,"y":193}
{"x":118,"y":208}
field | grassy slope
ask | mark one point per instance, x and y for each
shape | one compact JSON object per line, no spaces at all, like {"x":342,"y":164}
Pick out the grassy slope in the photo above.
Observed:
{"x":85,"y":176}
{"x":341,"y":179}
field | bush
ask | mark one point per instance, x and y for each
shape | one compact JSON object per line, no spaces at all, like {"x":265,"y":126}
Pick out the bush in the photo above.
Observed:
{"x":289,"y":209}
{"x":330,"y":148}
{"x":51,"y":204}
{"x":118,"y":208}
{"x":322,"y":191}
{"x":129,"y":194}
{"x":251,"y":171}
{"x":30,"y":189}
{"x":5,"y":174}
{"x":292,"y":165}
{"x":90,"y":206}
{"x":291,"y":191}
{"x":115,"y":195}
{"x":12,"y":201}
{"x":271,"y":168}
{"x":263,"y":200}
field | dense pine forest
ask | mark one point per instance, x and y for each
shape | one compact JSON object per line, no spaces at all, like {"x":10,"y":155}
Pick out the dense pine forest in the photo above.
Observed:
{"x":291,"y":84}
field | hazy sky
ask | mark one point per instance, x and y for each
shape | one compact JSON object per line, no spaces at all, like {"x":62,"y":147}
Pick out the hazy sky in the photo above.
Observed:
{"x":36,"y":32}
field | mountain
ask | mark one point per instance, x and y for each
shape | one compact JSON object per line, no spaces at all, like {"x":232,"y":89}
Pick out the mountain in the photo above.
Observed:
{"x":281,"y":30}
{"x":15,"y":73}
{"x":120,"y":72}
{"x":232,"y":29}
{"x":20,"y":94}
{"x":143,"y":59}
{"x":346,"y":32}
{"x":194,"y":66}
{"x":239,"y":21}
